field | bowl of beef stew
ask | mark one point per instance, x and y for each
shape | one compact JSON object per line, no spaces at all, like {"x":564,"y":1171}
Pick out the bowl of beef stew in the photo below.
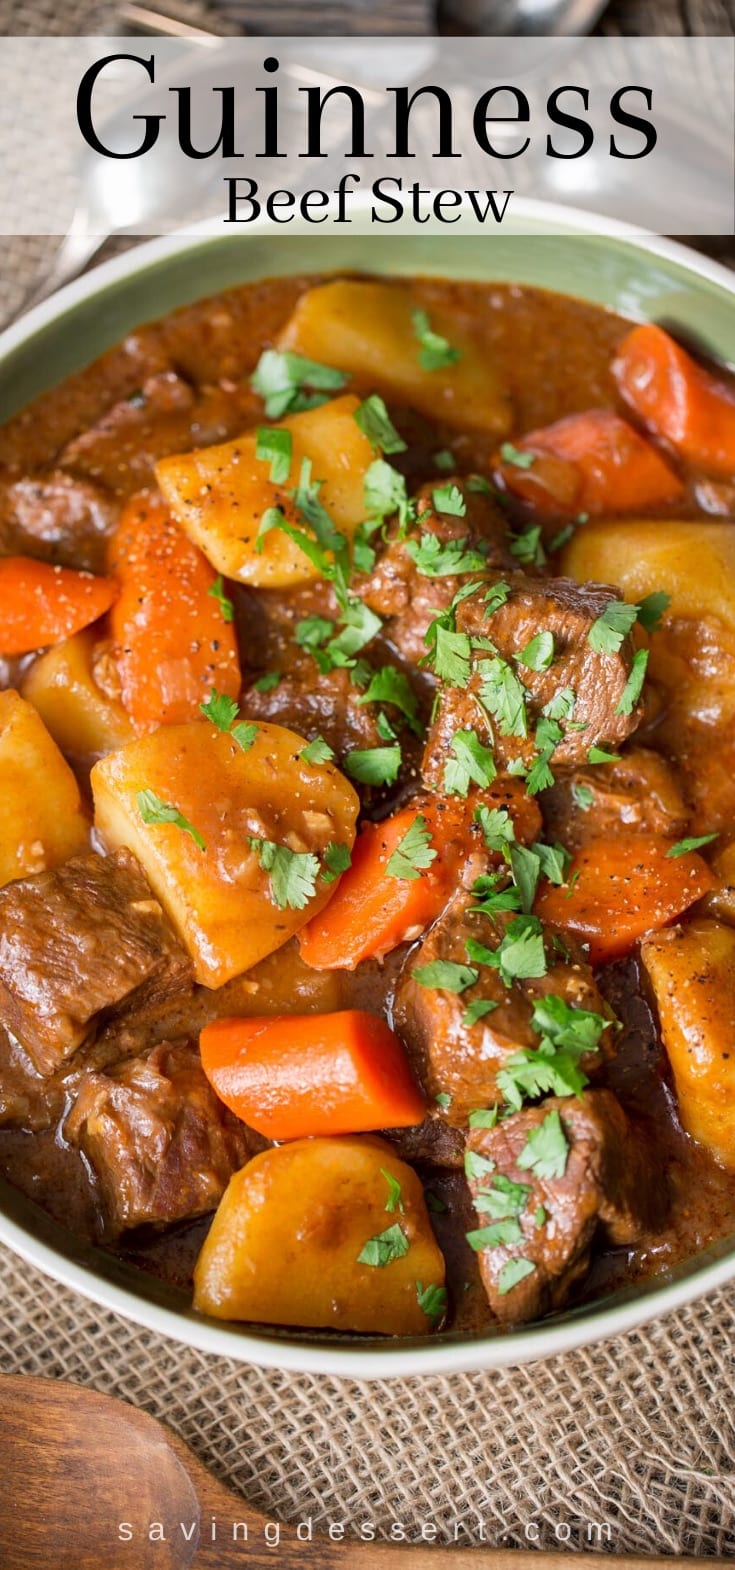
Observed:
{"x":367,"y":929}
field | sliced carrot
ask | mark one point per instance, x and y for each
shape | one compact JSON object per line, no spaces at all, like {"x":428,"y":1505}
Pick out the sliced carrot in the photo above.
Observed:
{"x":41,"y":604}
{"x":677,"y":399}
{"x":372,"y":911}
{"x":173,"y":644}
{"x":290,"y":1076}
{"x":594,"y":463}
{"x":621,"y":888}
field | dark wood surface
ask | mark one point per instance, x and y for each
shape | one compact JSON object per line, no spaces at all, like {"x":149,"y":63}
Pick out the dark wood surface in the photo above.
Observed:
{"x":633,"y":17}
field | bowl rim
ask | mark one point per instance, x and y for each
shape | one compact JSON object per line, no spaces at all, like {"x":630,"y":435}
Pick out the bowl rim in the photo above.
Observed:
{"x":389,"y":1358}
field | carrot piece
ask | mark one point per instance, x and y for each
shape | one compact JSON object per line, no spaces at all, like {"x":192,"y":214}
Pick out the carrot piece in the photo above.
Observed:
{"x":41,"y":604}
{"x":619,"y":889}
{"x":290,"y":1076}
{"x":677,"y":398}
{"x":173,"y":644}
{"x":594,"y":463}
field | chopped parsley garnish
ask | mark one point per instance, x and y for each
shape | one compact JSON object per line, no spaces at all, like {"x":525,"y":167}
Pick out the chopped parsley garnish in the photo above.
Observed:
{"x":433,"y":1202}
{"x":634,"y":685}
{"x":599,"y":755}
{"x":567,"y":1034}
{"x":477,"y":1010}
{"x":444,"y":975}
{"x":443,"y":1100}
{"x":375,"y":422}
{"x":525,"y":866}
{"x":313,"y":631}
{"x":476,"y":1166}
{"x":432,"y":1300}
{"x":217,"y":592}
{"x":652,"y":608}
{"x":504,"y":696}
{"x":282,"y":378}
{"x":479,"y":485}
{"x":414,"y":852}
{"x":514,"y":456}
{"x":153,"y":810}
{"x":275,"y":447}
{"x":520,"y":955}
{"x":385,"y":492}
{"x":373,"y":765}
{"x":449,"y":500}
{"x":384,"y":1248}
{"x":513,"y":1273}
{"x":444,"y":460}
{"x":496,"y":596}
{"x":561,"y":706}
{"x":502,"y":1197}
{"x":317,"y":751}
{"x":497,"y":827}
{"x":483,"y":1117}
{"x":582,"y":796}
{"x":389,"y":685}
{"x":527,"y":546}
{"x":359,"y":625}
{"x":493,"y":896}
{"x":435,"y":352}
{"x":546,"y":1150}
{"x":682,"y":847}
{"x":538,"y":653}
{"x":394,"y":1201}
{"x":336,"y":859}
{"x":292,"y":873}
{"x":324,"y":546}
{"x":451,"y":651}
{"x":561,"y":538}
{"x":554,"y":861}
{"x":609,"y":631}
{"x":540,"y":1216}
{"x":472,"y":763}
{"x":267,"y":681}
{"x":496,"y":1234}
{"x":222,"y":712}
{"x":437,"y":559}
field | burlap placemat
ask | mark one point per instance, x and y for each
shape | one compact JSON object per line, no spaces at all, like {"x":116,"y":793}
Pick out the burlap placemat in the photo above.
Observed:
{"x":635,"y":1434}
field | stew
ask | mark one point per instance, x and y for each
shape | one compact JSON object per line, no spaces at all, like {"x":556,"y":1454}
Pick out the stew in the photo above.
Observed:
{"x":367,"y":860}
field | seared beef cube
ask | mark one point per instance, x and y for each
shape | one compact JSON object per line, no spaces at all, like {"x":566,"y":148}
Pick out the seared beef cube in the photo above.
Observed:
{"x":162,"y":1145}
{"x":547,"y":1178}
{"x":412,"y":595}
{"x":85,"y":938}
{"x":458,"y":1062}
{"x":637,"y":792}
{"x":58,"y":517}
{"x":434,"y":1142}
{"x":580,"y":687}
{"x":313,"y":704}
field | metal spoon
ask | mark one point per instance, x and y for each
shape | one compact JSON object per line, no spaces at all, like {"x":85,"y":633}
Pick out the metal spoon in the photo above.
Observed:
{"x":522,"y":18}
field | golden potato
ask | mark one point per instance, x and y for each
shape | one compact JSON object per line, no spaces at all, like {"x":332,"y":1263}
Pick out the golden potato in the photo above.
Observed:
{"x":368,"y":329}
{"x":228,"y":905}
{"x":219,"y":494}
{"x":43,"y":820}
{"x":284,"y":1247}
{"x":694,"y":562}
{"x":721,"y":902}
{"x":61,"y":685}
{"x":692,"y":972}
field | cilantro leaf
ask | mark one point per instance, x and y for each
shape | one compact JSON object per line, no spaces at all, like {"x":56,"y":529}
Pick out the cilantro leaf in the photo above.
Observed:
{"x":413,"y":854}
{"x":267,"y":681}
{"x":520,"y":955}
{"x":449,"y":500}
{"x":292,"y":873}
{"x":582,"y":796}
{"x":546,"y":1150}
{"x":153,"y":810}
{"x":219,"y":709}
{"x":538,"y":652}
{"x":561,"y":706}
{"x":526,"y":869}
{"x":336,"y":859}
{"x":497,"y":827}
{"x":504,"y":696}
{"x":217,"y":592}
{"x":634,"y":685}
{"x":281,"y":378}
{"x":373,"y":765}
{"x":435,"y":352}
{"x":434,"y":558}
{"x":359,"y":625}
{"x":652,"y":608}
{"x":609,"y":631}
{"x":394,"y":1201}
{"x":496,"y":1234}
{"x":313,"y":631}
{"x":477,"y":1166}
{"x":514,"y":1272}
{"x":514,"y":456}
{"x":497,"y":595}
{"x":502,"y":1198}
{"x":599,"y":755}
{"x":386,"y":1246}
{"x":317,"y":751}
{"x":483,"y":1117}
{"x":444,"y":975}
{"x":527,"y":546}
{"x":385,"y":491}
{"x":389,"y":685}
{"x":275,"y":447}
{"x":444,"y":460}
{"x":432,"y":1301}
{"x":554,"y":861}
{"x":472,"y":764}
{"x":682,"y":847}
{"x":477,"y":1010}
{"x":374,"y":421}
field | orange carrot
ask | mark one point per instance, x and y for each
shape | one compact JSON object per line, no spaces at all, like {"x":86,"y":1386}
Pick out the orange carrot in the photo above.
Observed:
{"x":372,"y":911}
{"x":291,"y":1076}
{"x":41,"y":604}
{"x":173,"y":643}
{"x":593,"y":462}
{"x":677,"y":399}
{"x":619,"y":889}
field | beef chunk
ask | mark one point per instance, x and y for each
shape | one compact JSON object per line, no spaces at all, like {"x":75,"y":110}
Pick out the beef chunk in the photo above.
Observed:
{"x":86,"y":938}
{"x":588,"y":1169}
{"x":162,"y":1145}
{"x":434,"y":1142}
{"x":567,"y":610}
{"x":637,"y":792}
{"x":317,"y":705}
{"x":397,"y":588}
{"x":59,"y":518}
{"x":460,"y":1061}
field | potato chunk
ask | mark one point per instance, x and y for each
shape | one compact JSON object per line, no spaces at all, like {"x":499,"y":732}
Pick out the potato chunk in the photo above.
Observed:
{"x":61,"y":685}
{"x":285,"y":1244}
{"x":236,"y":800}
{"x":43,"y":821}
{"x":692,"y":972}
{"x":370,"y":329}
{"x":219,"y":494}
{"x":694,"y":562}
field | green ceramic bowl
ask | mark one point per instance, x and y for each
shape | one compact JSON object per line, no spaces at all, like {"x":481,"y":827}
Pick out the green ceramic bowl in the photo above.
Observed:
{"x":613,"y":267}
